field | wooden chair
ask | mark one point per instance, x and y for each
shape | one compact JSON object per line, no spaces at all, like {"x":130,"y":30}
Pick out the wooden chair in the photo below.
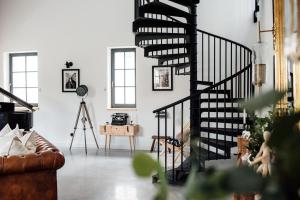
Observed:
{"x":154,"y":139}
{"x":178,"y":143}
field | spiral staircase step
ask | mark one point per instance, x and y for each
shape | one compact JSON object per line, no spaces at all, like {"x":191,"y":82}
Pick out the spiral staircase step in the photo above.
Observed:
{"x":157,"y":7}
{"x":156,"y":36}
{"x":142,"y":22}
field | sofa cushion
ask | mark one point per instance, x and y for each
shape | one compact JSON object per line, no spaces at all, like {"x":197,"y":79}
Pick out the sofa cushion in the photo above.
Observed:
{"x":29,"y":142}
{"x":6,"y":139}
{"x":17,"y":148}
{"x":13,"y":146}
{"x":14,"y":143}
{"x":6,"y":129}
{"x":15,"y":132}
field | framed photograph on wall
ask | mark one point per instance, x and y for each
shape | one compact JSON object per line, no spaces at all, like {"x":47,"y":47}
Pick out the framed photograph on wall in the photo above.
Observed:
{"x":70,"y":80}
{"x":162,"y":78}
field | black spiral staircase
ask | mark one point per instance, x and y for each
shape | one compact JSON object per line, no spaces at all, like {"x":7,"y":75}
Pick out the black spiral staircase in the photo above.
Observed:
{"x":220,"y":73}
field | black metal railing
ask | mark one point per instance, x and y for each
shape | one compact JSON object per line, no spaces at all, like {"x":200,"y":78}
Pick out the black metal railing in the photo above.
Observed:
{"x":220,"y":111}
{"x":291,"y":90}
{"x":222,"y":99}
{"x":219,"y":57}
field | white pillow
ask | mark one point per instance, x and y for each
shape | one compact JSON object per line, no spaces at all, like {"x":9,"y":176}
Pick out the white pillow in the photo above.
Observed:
{"x":6,"y":129}
{"x":6,"y":139}
{"x":16,"y":132}
{"x":13,"y":147}
{"x":28,"y":141}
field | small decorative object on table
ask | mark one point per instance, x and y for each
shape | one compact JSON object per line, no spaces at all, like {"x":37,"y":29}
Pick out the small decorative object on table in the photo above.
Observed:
{"x":119,"y":119}
{"x":242,"y":145}
{"x":264,"y":156}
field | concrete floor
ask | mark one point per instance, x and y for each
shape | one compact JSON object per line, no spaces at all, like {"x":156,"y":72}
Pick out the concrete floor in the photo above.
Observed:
{"x":104,"y":176}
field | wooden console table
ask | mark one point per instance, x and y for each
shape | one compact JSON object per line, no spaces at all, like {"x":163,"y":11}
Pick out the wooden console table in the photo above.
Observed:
{"x":127,"y":130}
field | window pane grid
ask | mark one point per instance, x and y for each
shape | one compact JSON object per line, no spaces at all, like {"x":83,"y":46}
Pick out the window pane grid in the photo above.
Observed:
{"x":123,"y":78}
{"x":21,"y":86}
{"x":22,"y":72}
{"x":24,"y":87}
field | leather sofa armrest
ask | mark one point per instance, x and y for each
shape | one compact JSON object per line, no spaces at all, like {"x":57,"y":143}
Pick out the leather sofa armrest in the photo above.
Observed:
{"x":47,"y":157}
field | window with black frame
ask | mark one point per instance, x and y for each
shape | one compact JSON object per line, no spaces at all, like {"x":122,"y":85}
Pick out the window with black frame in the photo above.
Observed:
{"x":123,"y":78}
{"x":23,"y":73}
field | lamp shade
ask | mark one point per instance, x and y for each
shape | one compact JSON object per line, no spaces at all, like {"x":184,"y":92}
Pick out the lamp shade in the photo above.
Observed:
{"x":260,"y":53}
{"x":82,"y":90}
{"x":260,"y":74}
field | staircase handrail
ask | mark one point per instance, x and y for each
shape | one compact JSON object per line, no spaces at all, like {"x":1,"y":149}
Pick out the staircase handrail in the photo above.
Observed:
{"x":223,"y":38}
{"x":214,"y":35}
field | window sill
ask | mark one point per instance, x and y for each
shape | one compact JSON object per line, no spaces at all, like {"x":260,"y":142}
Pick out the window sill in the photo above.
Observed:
{"x":122,"y":109}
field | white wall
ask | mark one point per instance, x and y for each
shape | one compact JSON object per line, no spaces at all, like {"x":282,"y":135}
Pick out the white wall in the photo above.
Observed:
{"x":81,"y":31}
{"x":267,"y":24}
{"x":233,"y":19}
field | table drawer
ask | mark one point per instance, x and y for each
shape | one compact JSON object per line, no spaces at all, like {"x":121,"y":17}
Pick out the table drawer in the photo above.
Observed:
{"x":118,"y":130}
{"x":127,"y":130}
{"x":103,"y":130}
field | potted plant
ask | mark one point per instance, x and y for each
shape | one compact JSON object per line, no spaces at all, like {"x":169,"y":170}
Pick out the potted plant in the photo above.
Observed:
{"x":259,"y":125}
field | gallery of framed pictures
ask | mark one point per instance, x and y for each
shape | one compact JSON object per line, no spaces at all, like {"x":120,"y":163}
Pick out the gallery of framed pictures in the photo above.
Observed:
{"x":70,"y":80}
{"x":162,"y":78}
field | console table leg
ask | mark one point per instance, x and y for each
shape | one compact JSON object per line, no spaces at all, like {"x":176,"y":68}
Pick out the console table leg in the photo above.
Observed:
{"x":130,"y":143}
{"x":109,"y":140}
{"x":133,"y":139}
{"x":105,"y":142}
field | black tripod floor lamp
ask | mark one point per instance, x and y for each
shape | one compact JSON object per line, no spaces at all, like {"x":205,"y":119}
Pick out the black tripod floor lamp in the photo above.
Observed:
{"x":82,"y":91}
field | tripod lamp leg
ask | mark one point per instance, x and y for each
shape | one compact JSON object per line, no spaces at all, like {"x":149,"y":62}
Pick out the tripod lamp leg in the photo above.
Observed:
{"x":85,"y":143}
{"x":73,"y":135}
{"x":75,"y":127}
{"x":91,"y":125}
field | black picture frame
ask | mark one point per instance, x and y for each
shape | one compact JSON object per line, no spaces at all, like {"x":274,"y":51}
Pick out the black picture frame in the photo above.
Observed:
{"x":162,"y":78}
{"x":70,"y":80}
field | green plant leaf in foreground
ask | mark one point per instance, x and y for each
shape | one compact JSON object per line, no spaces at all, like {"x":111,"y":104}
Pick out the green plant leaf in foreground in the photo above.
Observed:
{"x":144,"y":165}
{"x":244,"y":180}
{"x":163,"y":187}
{"x":263,"y":100}
{"x":192,"y":191}
{"x":222,"y":183}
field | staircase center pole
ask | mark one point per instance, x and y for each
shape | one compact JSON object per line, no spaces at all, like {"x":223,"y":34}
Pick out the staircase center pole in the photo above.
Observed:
{"x":194,"y":103}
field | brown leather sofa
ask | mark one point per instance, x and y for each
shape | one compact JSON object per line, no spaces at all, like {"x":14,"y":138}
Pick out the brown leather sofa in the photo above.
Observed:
{"x":32,"y":176}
